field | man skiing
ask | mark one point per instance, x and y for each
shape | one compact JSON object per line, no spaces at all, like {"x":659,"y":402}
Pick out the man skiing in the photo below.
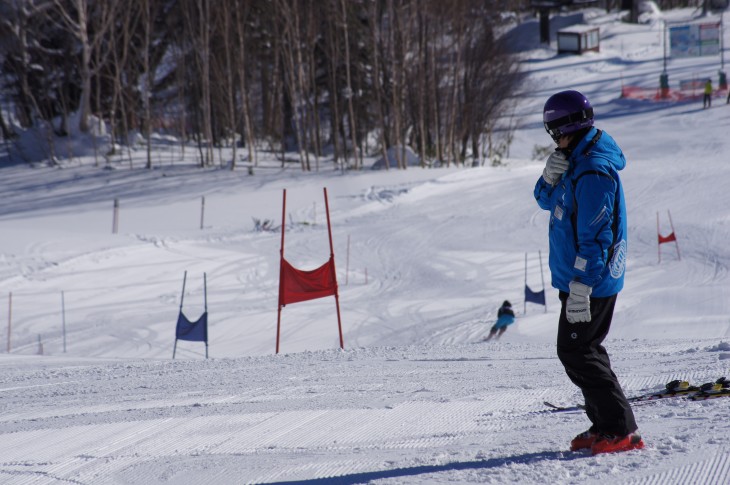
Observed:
{"x":581,"y":188}
{"x":505,"y":318}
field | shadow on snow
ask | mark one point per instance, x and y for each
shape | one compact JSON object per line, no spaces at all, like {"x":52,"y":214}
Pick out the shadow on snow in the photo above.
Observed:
{"x":526,"y":459}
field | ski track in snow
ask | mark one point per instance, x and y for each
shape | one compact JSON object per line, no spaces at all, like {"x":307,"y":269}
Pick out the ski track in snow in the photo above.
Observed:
{"x":378,"y":414}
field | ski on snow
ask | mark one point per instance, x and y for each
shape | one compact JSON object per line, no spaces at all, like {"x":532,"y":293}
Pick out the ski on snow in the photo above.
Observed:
{"x":556,"y":408}
{"x":676,"y":388}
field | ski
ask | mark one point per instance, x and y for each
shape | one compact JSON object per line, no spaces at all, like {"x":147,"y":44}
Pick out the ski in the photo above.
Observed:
{"x":676,"y":388}
{"x":712,"y":390}
{"x":557,"y":408}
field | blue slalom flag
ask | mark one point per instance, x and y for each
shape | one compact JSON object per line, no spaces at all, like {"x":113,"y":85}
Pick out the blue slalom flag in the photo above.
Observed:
{"x":196,"y":331}
{"x":534,"y":296}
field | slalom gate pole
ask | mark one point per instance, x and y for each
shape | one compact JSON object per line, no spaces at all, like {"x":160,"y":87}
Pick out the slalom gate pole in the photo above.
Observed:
{"x":281,"y":271}
{"x":332,"y":256}
{"x":676,"y":243}
{"x":205,"y":299}
{"x":524,"y":310}
{"x":542,"y":277}
{"x":182,"y":297}
{"x":659,"y":245}
{"x":672,"y":237}
{"x":347,"y":265}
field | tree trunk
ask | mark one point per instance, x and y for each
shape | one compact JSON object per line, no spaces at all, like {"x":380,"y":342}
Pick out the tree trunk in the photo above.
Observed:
{"x":148,"y":81}
{"x":396,"y":77}
{"x":333,"y":86}
{"x":350,"y":93}
{"x":241,"y":12}
{"x":7,"y":134}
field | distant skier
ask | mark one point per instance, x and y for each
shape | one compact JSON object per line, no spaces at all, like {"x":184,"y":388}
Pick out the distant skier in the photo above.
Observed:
{"x":581,"y":188}
{"x":707,"y":99}
{"x":505,"y":318}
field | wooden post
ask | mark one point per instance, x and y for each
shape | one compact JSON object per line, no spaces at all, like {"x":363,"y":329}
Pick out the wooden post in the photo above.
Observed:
{"x":115,"y":220}
{"x":202,"y":212}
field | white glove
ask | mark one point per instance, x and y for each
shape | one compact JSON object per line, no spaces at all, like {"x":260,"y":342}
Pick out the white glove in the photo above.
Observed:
{"x":555,"y":167}
{"x":578,"y":306}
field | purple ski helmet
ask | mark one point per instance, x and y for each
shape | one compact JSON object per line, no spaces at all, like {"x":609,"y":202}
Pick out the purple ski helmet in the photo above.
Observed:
{"x":566,"y":112}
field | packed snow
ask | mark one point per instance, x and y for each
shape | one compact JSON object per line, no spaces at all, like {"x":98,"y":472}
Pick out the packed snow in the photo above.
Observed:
{"x":424,"y":258}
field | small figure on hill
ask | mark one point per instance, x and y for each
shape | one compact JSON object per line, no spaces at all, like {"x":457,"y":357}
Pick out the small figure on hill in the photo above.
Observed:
{"x":505,"y":318}
{"x":707,"y":99}
{"x":581,"y":189}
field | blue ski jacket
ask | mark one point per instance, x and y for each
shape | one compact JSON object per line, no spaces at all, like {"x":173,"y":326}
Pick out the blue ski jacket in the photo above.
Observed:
{"x":588,"y":217}
{"x":504,"y":320}
{"x":505,"y":317}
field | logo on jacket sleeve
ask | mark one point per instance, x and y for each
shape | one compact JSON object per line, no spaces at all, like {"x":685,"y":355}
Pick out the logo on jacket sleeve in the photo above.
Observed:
{"x":617,"y":265}
{"x":559,"y":213}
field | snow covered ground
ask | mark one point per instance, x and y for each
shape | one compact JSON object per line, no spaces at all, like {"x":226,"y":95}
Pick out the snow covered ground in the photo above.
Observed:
{"x":415,"y":396}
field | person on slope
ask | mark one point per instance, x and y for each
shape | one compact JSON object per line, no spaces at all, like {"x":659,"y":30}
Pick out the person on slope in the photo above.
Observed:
{"x":581,"y":188}
{"x":707,"y":98}
{"x":505,"y":318}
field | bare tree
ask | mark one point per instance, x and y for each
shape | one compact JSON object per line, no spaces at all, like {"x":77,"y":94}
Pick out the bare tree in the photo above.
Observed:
{"x":396,"y":63}
{"x":332,"y":63}
{"x":17,"y":29}
{"x":118,"y":59}
{"x":293,"y":73}
{"x":242,"y":12}
{"x":375,"y":17}
{"x":296,"y":74}
{"x":147,"y":95}
{"x":4,"y":130}
{"x":77,"y":16}
{"x":349,"y":93}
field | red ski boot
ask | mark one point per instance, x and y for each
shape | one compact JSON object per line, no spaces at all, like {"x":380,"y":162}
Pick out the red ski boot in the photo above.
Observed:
{"x":606,"y":443}
{"x":583,"y":441}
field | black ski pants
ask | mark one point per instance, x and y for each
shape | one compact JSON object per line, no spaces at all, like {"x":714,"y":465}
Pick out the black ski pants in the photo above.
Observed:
{"x":587,"y":364}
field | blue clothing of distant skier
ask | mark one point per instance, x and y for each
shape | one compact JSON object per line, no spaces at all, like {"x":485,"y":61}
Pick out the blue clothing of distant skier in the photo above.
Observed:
{"x":588,"y":242}
{"x":505,"y":318}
